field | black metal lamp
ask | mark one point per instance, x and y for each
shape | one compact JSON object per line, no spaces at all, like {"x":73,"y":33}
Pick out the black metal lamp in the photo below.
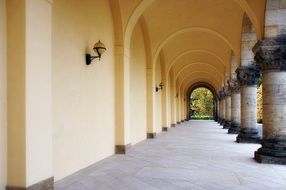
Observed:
{"x":99,"y":48}
{"x":160,"y":87}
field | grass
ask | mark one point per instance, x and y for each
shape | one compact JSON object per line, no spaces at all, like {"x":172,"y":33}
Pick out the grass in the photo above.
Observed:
{"x":201,"y":117}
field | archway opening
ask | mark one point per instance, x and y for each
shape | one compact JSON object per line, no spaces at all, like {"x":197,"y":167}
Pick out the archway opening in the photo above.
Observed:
{"x":202,"y":104}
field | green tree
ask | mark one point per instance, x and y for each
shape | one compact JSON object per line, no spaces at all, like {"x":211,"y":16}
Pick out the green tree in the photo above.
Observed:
{"x":202,"y":103}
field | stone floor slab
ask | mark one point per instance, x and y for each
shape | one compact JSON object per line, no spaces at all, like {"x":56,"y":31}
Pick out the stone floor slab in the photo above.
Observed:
{"x":195,"y":155}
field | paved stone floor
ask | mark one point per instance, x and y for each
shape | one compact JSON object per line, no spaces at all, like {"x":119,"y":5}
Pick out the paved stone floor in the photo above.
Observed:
{"x":197,"y":155}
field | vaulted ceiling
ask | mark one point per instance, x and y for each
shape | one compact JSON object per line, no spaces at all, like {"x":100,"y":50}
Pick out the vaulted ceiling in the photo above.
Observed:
{"x":197,"y":37}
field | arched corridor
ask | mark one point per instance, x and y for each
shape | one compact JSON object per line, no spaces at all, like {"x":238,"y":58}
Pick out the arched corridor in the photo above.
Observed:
{"x":82,"y":80}
{"x":195,"y":155}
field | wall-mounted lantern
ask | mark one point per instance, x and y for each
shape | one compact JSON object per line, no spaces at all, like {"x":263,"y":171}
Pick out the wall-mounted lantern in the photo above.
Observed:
{"x":99,"y":48}
{"x":160,"y":87}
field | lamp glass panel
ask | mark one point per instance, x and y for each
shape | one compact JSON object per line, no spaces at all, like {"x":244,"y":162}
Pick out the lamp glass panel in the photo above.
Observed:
{"x":100,"y":50}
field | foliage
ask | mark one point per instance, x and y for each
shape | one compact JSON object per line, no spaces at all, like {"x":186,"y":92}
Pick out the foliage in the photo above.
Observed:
{"x":201,"y":103}
{"x":259,"y":104}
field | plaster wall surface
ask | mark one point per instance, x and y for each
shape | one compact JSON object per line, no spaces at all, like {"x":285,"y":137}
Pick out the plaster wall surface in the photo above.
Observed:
{"x":83,"y":96}
{"x":16,"y":79}
{"x":158,"y":98}
{"x":138,"y":87}
{"x":38,"y":91}
{"x":3,"y":102}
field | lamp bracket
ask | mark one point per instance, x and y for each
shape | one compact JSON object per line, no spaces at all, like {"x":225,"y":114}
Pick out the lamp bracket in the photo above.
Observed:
{"x":89,"y":58}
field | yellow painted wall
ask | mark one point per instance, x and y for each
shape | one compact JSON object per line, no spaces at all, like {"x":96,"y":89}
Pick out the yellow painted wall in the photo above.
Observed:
{"x":16,"y":118}
{"x":83,"y":96}
{"x":38,"y":91}
{"x":138,"y":87}
{"x":158,"y":98}
{"x":3,"y":139}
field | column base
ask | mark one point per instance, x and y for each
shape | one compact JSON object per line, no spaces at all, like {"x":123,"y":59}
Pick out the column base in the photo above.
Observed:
{"x":151,"y":135}
{"x":222,"y":121}
{"x":234,"y":128}
{"x":248,"y":135}
{"x":226,"y":124}
{"x":273,"y":151}
{"x":178,"y":122}
{"x":173,"y":125}
{"x":47,"y":184}
{"x":165,"y":129}
{"x":122,"y":149}
{"x":182,"y":121}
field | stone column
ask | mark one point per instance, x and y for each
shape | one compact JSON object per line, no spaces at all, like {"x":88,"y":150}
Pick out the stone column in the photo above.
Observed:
{"x":219,"y":109}
{"x":235,"y":107}
{"x":222,"y":106}
{"x":215,"y":110}
{"x":271,"y":56}
{"x":227,"y":108}
{"x":248,"y":77}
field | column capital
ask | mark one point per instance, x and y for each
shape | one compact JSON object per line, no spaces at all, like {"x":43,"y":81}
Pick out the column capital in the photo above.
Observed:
{"x":221,"y":94}
{"x":234,"y":85}
{"x":248,"y":75}
{"x":270,"y":54}
{"x":227,"y":90}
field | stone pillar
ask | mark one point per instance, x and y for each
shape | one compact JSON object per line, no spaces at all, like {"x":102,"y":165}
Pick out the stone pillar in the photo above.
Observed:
{"x":227,"y":108}
{"x":215,"y":110}
{"x":222,"y":106}
{"x":271,"y":56}
{"x":235,"y":107}
{"x":218,"y":110}
{"x":248,"y":77}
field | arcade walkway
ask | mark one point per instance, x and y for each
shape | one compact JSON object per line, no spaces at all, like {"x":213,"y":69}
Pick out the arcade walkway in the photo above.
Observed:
{"x":196,"y":155}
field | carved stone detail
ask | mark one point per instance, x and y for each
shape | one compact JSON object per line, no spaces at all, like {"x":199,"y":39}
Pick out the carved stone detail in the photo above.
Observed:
{"x":227,"y":90}
{"x":234,"y":85}
{"x":270,"y":54}
{"x":248,"y":76}
{"x":221,"y":94}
